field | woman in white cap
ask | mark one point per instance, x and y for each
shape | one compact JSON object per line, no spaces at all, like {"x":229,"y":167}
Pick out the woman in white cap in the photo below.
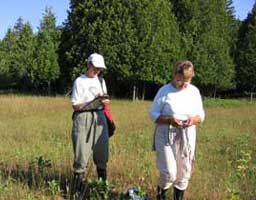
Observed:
{"x":89,"y":132}
{"x":176,"y":110}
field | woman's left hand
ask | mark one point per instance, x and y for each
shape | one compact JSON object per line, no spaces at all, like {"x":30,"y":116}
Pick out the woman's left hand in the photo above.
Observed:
{"x":106,"y":101}
{"x":193,"y":120}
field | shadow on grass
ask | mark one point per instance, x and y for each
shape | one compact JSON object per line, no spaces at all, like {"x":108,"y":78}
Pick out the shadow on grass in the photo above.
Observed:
{"x":38,"y":180}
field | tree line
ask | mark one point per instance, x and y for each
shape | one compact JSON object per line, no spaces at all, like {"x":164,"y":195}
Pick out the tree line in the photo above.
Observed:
{"x":140,"y":41}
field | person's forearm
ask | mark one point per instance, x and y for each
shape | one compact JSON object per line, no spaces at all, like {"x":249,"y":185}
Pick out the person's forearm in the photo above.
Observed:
{"x":78,"y":106}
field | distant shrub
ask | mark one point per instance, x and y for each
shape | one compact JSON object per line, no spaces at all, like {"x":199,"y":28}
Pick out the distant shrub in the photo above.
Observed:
{"x":210,"y":102}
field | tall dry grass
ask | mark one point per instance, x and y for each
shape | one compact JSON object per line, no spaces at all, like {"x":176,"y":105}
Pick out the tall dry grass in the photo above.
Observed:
{"x":34,"y":128}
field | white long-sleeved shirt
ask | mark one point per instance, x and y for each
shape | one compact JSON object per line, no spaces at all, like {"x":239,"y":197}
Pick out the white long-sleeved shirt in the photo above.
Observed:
{"x":85,"y":89}
{"x":180,"y":104}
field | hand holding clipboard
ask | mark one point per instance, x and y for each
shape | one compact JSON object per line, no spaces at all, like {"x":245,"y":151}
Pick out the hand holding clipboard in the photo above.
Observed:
{"x":96,"y":103}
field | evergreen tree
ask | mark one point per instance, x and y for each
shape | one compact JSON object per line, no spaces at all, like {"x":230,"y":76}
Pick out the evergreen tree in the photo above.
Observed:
{"x":157,"y":44}
{"x":206,"y":38}
{"x":246,"y":57}
{"x":17,"y":51}
{"x":234,"y":26}
{"x":47,"y":68}
{"x":25,"y":56}
{"x":139,"y":39}
{"x":97,"y":26}
{"x":7,"y":49}
{"x":18,"y":27}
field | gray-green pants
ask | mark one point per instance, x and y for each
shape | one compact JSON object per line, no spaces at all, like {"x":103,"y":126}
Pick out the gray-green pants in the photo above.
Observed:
{"x":89,"y":135}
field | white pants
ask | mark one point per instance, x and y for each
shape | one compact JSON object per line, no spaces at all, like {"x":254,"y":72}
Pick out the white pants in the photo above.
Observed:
{"x":174,"y":170}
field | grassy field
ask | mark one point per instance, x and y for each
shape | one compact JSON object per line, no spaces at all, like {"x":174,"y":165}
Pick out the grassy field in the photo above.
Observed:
{"x":36,"y":152}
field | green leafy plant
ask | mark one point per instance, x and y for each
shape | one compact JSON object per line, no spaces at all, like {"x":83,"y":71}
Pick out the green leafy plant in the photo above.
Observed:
{"x":240,"y":173}
{"x":140,"y":192}
{"x":3,"y":187}
{"x":98,"y":189}
{"x":5,"y":184}
{"x":37,"y":170}
{"x":54,"y":187}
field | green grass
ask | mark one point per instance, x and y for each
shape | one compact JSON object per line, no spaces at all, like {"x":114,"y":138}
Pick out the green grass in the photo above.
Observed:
{"x":210,"y":102}
{"x":36,"y":152}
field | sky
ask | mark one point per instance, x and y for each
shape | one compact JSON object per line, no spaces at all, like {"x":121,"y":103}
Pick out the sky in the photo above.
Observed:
{"x":32,"y":11}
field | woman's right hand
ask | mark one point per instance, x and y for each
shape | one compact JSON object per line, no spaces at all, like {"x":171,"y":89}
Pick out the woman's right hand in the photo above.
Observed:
{"x":175,"y":122}
{"x":169,"y":120}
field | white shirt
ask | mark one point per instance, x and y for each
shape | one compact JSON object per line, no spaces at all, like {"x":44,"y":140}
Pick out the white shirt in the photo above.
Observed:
{"x":181,"y":104}
{"x":85,"y":89}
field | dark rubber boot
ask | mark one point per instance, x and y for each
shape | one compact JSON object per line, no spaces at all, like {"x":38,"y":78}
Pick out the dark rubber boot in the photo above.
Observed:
{"x":77,"y":186}
{"x":178,"y":194}
{"x":161,"y":193}
{"x":102,"y":173}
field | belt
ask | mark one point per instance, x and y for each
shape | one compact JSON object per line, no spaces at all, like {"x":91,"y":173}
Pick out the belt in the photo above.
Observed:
{"x":91,"y":110}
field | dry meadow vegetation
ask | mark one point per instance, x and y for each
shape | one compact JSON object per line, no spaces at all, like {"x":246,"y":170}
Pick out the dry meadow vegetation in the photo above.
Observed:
{"x":36,"y":152}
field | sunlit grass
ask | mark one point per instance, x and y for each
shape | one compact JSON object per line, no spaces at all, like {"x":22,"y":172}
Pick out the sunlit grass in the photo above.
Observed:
{"x":31,"y":127}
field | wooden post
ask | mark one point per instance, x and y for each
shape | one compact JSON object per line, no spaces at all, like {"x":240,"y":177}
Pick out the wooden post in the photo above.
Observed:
{"x":134,"y":93}
{"x":143,"y":91}
{"x":251,"y":96}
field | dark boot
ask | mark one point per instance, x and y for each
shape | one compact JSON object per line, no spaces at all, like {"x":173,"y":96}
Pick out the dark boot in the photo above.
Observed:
{"x":77,"y":186}
{"x":178,"y":194}
{"x":102,"y":173}
{"x":161,"y":193}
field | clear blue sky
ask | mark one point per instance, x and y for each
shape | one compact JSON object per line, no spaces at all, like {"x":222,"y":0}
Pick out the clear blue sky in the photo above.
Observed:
{"x":32,"y":11}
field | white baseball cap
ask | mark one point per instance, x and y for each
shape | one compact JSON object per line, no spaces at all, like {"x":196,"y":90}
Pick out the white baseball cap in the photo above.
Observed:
{"x":96,"y":60}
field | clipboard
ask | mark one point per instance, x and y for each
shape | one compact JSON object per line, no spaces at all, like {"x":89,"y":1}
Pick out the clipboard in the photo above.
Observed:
{"x":95,"y":103}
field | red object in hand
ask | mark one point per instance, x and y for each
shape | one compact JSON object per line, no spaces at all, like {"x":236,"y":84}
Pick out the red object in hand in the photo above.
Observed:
{"x":110,"y":121}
